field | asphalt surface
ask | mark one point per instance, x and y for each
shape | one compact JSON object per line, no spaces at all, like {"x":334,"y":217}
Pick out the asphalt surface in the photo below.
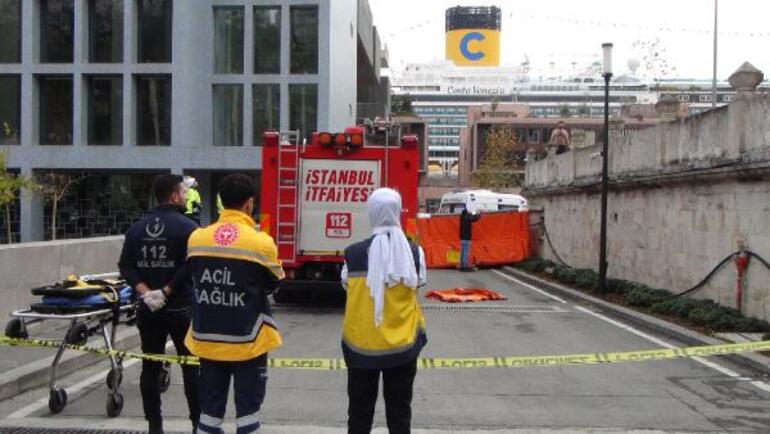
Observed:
{"x":680,"y":395}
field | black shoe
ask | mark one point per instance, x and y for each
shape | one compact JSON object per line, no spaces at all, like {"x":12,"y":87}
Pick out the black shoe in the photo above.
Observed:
{"x":156,"y":427}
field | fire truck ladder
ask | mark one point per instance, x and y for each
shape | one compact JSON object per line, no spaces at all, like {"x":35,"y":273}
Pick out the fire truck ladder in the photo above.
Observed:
{"x":288,"y":191}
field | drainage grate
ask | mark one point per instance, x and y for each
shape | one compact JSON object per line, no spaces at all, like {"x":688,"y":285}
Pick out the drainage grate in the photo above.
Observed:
{"x":504,"y":308}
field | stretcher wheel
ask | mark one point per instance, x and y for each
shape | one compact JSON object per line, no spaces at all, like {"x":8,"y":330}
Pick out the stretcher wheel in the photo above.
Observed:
{"x":165,"y":379}
{"x":111,"y":377}
{"x":114,"y":404}
{"x":57,"y":399}
{"x":15,"y":329}
{"x":77,"y":334}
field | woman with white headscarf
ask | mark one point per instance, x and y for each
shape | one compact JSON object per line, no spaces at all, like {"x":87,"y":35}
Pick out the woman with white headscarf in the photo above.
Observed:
{"x":384,"y":328}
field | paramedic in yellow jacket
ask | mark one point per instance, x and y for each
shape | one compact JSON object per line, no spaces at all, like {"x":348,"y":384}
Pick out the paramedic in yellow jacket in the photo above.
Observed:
{"x":384,"y":328}
{"x":233,"y":269}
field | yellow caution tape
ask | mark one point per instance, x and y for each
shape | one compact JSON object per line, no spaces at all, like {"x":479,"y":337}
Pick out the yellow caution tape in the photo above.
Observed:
{"x":331,"y":364}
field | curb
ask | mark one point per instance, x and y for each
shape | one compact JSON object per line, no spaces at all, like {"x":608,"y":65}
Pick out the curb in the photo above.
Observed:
{"x":752,"y":361}
{"x":37,"y":373}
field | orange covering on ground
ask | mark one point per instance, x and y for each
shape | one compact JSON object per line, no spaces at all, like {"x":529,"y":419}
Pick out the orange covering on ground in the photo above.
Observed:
{"x":464,"y":295}
{"x":499,"y":238}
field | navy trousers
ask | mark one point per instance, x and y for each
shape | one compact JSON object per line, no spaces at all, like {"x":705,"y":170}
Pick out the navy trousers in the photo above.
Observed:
{"x":249,"y":382}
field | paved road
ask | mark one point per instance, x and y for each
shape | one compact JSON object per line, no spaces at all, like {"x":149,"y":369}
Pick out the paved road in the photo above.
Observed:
{"x":663,"y":396}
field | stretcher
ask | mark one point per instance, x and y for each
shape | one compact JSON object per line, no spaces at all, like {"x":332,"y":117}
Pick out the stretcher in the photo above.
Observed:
{"x":106,"y":303}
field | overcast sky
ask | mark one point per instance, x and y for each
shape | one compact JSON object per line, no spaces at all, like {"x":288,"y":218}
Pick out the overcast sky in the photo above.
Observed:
{"x":546,"y":32}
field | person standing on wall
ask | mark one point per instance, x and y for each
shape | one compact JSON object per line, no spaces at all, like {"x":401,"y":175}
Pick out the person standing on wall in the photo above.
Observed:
{"x":153,"y":263}
{"x":233,"y":268}
{"x":383,"y":328}
{"x":466,"y":233}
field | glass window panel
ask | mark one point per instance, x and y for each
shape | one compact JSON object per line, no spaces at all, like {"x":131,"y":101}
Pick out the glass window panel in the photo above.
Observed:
{"x":105,"y":110}
{"x":155,"y":27}
{"x":304,"y":40}
{"x":267,"y":40}
{"x":267,"y":109}
{"x":57,"y":21}
{"x":10,"y":102}
{"x":154,"y":110}
{"x":55,"y":110}
{"x":105,"y":31}
{"x":228,"y":40}
{"x":10,"y":31}
{"x":228,"y":115}
{"x":303,"y":107}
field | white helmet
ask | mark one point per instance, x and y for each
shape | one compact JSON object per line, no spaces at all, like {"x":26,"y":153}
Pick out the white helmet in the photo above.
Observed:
{"x":190,"y":182}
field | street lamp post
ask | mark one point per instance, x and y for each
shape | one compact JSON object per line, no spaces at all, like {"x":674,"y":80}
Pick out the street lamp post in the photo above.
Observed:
{"x":607,"y":73}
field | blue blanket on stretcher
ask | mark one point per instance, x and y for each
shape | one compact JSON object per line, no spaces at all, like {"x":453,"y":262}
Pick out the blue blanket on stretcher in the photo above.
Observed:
{"x":95,"y":300}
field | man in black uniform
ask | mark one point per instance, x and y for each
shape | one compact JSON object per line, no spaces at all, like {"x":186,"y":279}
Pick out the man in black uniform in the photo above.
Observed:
{"x":466,"y":233}
{"x":153,"y":263}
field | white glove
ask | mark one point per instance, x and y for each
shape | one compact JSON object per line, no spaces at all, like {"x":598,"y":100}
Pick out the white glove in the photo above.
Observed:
{"x":155,"y":300}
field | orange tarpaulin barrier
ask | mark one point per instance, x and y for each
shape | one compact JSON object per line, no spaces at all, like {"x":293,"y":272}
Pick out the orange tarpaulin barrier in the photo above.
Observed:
{"x":458,"y":295}
{"x":498,"y":238}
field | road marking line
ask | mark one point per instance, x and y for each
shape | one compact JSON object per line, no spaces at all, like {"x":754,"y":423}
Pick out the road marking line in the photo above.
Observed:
{"x":528,"y":286}
{"x":72,"y":390}
{"x":719,"y":368}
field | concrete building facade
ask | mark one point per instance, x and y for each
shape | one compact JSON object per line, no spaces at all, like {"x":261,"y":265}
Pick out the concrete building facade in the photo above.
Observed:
{"x":116,"y":90}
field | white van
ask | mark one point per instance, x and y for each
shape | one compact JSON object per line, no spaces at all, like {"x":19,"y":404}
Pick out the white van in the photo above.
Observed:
{"x":481,"y":201}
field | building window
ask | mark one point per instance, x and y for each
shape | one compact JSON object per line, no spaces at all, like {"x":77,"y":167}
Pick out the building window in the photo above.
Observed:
{"x":10,"y":102}
{"x":728,"y":98}
{"x":267,"y":109}
{"x":684,"y":98}
{"x":153,"y":110}
{"x":304,"y":40}
{"x":267,"y":40}
{"x":705,"y":98}
{"x":228,"y":115}
{"x":228,"y":40}
{"x":105,"y":31}
{"x":105,"y":110}
{"x":155,"y":27}
{"x":303,"y":108}
{"x":57,"y":21}
{"x":10,"y":31}
{"x":55,"y":110}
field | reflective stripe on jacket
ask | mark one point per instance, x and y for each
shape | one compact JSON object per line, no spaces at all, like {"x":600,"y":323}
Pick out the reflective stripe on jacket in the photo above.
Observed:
{"x":400,"y":337}
{"x":233,"y":268}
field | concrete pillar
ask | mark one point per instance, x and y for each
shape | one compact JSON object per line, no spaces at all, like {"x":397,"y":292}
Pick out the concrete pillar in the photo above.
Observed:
{"x":745,"y":81}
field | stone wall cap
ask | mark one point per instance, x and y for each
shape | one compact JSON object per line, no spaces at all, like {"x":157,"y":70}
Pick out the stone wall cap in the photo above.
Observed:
{"x":746,"y":78}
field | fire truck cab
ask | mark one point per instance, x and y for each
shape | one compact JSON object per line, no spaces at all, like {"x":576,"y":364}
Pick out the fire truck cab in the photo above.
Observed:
{"x":313,"y":197}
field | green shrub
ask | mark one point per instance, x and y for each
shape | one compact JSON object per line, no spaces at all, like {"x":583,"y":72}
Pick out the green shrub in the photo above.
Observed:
{"x":586,"y":279}
{"x":619,"y":286}
{"x":565,"y":274}
{"x":643,"y":296}
{"x":680,"y":307}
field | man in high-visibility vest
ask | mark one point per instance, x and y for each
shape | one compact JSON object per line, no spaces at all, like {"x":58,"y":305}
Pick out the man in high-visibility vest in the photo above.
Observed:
{"x":194,"y":203}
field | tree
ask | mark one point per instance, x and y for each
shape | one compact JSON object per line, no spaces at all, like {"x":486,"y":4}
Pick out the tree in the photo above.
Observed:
{"x":401,"y":105}
{"x":10,"y":186}
{"x":654,"y":59}
{"x":564,"y":111}
{"x":54,"y":186}
{"x":496,"y":169}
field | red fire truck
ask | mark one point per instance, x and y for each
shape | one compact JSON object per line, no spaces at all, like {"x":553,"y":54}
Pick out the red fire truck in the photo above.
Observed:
{"x":313,"y":197}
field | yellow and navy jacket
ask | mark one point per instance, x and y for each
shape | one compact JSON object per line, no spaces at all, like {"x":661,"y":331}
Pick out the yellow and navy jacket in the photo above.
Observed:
{"x":401,"y":335}
{"x":232,"y":270}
